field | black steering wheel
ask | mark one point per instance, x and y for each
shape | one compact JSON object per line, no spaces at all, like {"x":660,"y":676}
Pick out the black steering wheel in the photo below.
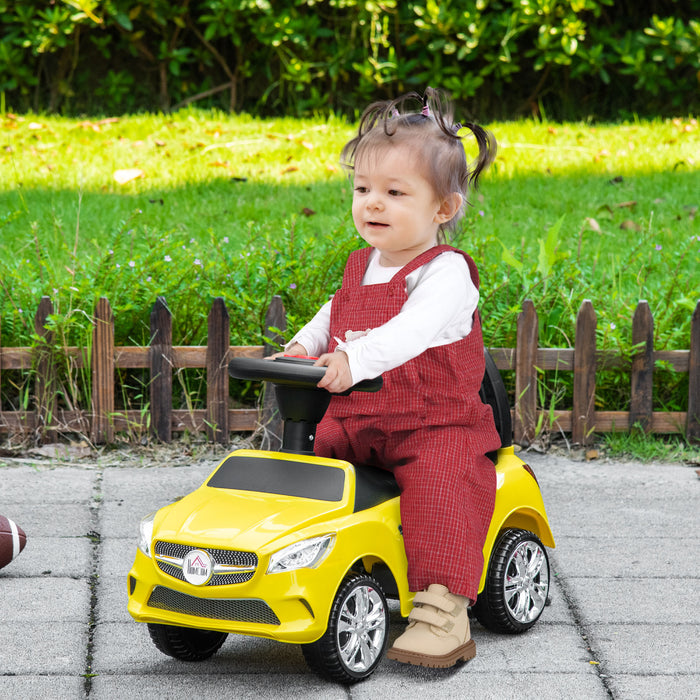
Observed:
{"x":290,"y":371}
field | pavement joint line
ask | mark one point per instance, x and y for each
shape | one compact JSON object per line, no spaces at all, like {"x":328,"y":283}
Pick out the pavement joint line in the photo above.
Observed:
{"x":96,"y":539}
{"x":585,"y":633}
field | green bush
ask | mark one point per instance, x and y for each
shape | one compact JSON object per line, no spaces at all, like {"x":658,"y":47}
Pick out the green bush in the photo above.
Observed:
{"x":504,"y":58}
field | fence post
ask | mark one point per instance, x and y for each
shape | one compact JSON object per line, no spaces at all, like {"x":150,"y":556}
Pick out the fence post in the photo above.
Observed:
{"x":642,"y":379}
{"x":583,"y":415}
{"x":693,"y":421}
{"x":45,"y":385}
{"x":160,"y":354}
{"x":102,"y":429}
{"x":276,"y":317}
{"x":218,"y":343}
{"x":525,"y":425}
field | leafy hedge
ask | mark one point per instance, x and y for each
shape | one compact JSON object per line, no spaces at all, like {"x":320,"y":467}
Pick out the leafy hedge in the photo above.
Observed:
{"x":565,"y":59}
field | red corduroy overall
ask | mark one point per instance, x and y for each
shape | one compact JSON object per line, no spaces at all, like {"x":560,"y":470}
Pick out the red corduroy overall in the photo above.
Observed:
{"x":427,"y":425}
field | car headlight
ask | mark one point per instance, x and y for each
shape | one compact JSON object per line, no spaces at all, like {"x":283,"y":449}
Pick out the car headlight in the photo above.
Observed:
{"x":146,"y":534}
{"x":306,"y":554}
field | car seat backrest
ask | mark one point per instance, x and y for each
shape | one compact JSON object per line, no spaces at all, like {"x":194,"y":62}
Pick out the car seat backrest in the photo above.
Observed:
{"x":493,"y":392}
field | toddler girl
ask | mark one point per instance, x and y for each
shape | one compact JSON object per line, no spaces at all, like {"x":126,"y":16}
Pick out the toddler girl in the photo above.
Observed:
{"x":407,"y":309}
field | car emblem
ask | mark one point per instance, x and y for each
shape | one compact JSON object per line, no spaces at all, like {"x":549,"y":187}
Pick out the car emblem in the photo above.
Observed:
{"x":197,"y":567}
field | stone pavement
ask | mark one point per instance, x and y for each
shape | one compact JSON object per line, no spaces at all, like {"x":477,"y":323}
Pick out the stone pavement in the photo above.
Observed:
{"x":624,"y":620}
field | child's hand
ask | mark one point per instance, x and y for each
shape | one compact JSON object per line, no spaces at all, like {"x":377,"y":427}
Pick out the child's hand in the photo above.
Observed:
{"x":295,"y":349}
{"x":338,"y":377}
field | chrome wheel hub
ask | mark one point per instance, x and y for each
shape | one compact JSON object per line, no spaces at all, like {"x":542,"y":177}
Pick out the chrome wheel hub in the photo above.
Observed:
{"x":526,"y":583}
{"x":361,"y":628}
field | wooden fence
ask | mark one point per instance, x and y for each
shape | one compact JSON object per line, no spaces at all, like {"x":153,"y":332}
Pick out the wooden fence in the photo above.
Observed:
{"x":218,"y":420}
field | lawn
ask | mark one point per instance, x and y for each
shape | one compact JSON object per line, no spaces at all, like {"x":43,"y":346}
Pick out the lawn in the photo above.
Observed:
{"x":196,"y":205}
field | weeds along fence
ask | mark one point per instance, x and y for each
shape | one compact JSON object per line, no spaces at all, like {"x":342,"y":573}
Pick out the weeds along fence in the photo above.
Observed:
{"x":42,"y":418}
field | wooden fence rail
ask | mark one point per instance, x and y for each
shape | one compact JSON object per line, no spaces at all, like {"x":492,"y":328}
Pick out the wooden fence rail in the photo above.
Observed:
{"x":218,"y":420}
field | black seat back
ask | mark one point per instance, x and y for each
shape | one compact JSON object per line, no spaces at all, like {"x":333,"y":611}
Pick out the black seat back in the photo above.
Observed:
{"x":493,"y":392}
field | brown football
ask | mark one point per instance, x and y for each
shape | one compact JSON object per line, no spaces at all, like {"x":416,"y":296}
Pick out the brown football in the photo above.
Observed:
{"x":12,"y":540}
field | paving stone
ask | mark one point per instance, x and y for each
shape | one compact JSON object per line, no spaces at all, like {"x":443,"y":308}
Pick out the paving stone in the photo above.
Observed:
{"x":34,"y":648}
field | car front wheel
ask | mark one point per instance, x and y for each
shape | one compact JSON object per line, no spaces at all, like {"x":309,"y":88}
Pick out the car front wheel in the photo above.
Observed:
{"x":517,"y":583}
{"x":186,"y":643}
{"x":357,"y":634}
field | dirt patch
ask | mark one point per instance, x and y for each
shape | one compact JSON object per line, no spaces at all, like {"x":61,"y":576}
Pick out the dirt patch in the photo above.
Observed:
{"x":82,"y":454}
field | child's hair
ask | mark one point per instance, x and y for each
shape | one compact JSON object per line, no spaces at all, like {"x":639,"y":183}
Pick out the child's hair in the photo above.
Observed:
{"x":433,"y":133}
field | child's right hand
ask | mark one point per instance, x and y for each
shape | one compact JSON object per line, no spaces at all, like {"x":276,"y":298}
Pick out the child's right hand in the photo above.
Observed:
{"x":338,"y":377}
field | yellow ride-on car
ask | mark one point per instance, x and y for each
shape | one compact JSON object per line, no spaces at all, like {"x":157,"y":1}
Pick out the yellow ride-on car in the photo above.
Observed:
{"x":304,"y":549}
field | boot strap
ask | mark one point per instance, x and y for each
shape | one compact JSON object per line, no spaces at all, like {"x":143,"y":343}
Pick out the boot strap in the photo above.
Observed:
{"x":431,"y":618}
{"x":437,"y":601}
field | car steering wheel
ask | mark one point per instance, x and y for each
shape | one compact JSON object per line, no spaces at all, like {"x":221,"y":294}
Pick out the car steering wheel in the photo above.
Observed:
{"x":290,"y":371}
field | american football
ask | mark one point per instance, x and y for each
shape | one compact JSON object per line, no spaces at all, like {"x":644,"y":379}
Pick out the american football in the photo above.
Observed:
{"x":12,"y":540}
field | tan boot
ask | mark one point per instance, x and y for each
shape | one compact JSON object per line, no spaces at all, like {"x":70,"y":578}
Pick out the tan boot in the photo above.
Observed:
{"x":438,"y":631}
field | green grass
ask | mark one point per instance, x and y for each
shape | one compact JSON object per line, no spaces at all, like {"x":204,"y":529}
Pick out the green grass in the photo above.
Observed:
{"x":205,"y":172}
{"x":650,"y":448}
{"x":244,"y":208}
{"x":199,"y":171}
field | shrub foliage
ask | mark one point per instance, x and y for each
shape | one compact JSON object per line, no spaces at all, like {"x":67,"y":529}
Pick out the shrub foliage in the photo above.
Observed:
{"x":569,"y":59}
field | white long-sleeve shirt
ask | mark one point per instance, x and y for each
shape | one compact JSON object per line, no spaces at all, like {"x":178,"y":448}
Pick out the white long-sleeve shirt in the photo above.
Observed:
{"x":441,"y":302}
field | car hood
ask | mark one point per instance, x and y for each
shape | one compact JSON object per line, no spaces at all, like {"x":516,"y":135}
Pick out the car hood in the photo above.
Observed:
{"x":245,"y":520}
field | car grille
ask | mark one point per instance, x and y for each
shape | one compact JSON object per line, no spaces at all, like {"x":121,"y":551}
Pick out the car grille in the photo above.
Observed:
{"x":227,"y":557}
{"x":235,"y":610}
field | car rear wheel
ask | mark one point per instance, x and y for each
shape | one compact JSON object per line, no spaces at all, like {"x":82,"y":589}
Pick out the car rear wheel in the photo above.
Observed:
{"x":185,"y":643}
{"x":517,"y":583}
{"x":357,"y":633}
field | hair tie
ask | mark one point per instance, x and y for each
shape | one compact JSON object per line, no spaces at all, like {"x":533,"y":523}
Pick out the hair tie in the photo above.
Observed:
{"x":395,"y":113}
{"x":426,"y":110}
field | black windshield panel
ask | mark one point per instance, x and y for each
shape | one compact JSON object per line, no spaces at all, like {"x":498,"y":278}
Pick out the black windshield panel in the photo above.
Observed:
{"x":281,"y":477}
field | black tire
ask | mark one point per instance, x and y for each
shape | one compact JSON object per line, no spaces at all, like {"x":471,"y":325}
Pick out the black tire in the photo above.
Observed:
{"x":357,"y":634}
{"x":517,"y":583}
{"x":186,"y":643}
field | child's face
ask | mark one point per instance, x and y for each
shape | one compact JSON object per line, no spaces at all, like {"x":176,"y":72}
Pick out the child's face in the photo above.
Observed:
{"x":394,"y":207}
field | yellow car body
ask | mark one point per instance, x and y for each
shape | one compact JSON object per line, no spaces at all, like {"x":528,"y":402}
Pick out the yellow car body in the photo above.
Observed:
{"x":256,"y":505}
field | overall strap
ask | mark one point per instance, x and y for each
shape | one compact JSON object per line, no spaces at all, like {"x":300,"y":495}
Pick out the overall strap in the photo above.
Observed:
{"x":355,"y":267}
{"x":429,"y":255}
